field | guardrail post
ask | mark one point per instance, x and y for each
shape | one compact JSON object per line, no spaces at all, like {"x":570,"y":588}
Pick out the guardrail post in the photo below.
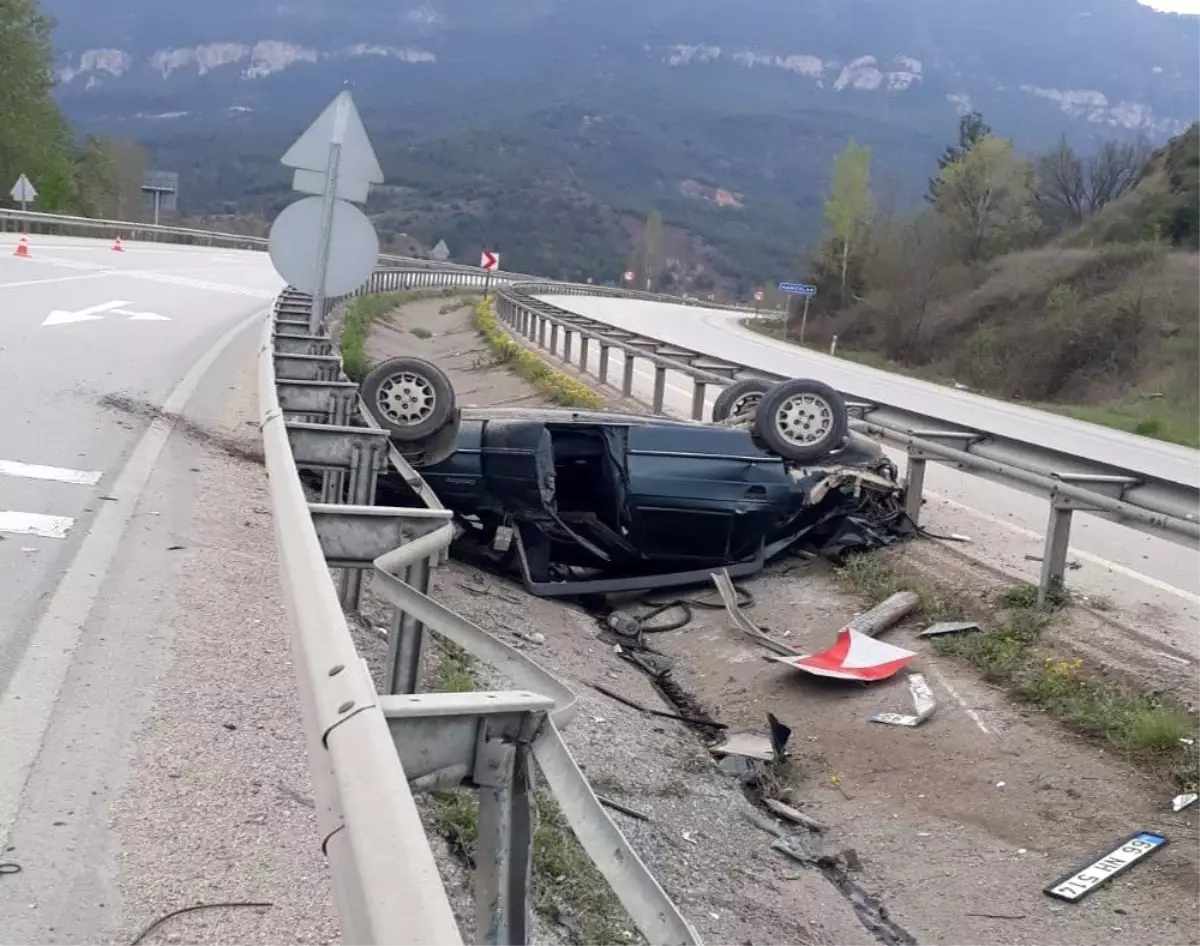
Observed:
{"x":698,"y":390}
{"x":553,"y":337}
{"x":541,"y":332}
{"x":566,"y":352}
{"x":602,"y":371}
{"x":660,"y":388}
{"x":583,"y":352}
{"x":364,"y":470}
{"x":627,"y":375}
{"x":406,"y":640}
{"x":504,"y":850}
{"x":914,"y":487}
{"x":1054,"y":555}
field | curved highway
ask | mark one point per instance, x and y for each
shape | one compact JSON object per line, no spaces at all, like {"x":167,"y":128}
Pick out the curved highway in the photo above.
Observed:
{"x":1152,"y":584}
{"x":93,"y":494}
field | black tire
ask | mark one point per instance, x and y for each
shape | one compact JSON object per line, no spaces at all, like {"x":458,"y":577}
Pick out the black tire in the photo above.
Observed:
{"x":412,"y":399}
{"x":801,"y":420}
{"x":738,"y":396}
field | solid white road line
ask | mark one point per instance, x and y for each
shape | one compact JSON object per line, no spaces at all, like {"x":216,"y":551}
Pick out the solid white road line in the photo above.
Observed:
{"x":971,"y":713}
{"x":39,"y":282}
{"x":31,"y":523}
{"x":27,"y":704}
{"x":34,"y":471}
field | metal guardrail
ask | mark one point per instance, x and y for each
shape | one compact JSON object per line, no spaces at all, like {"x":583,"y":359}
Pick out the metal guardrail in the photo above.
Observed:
{"x":386,"y":888}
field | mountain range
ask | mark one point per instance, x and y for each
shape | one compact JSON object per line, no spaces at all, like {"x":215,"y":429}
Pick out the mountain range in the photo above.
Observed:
{"x":723,"y":114}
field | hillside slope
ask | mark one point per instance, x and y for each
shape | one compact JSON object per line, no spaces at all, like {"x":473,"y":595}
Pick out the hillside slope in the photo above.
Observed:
{"x":1103,"y":322}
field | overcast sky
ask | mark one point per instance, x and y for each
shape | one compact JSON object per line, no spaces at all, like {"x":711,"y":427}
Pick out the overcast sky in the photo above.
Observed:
{"x":1174,"y":6}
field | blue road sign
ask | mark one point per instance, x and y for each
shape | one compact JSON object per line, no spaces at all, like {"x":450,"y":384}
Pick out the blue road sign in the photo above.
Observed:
{"x":797,"y":289}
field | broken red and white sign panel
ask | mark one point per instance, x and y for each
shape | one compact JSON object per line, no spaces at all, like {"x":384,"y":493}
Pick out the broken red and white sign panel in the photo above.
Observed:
{"x":854,"y":656}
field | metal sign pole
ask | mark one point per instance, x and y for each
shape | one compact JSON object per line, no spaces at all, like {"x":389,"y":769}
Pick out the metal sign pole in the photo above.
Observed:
{"x":318,"y":303}
{"x":804,"y":319}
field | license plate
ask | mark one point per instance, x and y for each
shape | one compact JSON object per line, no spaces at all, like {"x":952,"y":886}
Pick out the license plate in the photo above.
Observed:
{"x":1079,"y":883}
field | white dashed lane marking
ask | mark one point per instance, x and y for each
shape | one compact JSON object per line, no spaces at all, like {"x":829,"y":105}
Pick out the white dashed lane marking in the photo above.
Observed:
{"x":15,"y":522}
{"x":34,"y":471}
{"x":32,"y":523}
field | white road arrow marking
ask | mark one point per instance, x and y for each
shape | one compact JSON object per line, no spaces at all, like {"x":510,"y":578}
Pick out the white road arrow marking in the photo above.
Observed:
{"x":59,"y":317}
{"x":34,"y":471}
{"x":142,"y":316}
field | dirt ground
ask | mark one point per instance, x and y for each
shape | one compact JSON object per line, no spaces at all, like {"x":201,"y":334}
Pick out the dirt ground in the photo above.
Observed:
{"x":956,"y":825}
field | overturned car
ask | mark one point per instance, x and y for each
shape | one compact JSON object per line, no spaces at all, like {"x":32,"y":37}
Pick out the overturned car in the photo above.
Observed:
{"x":590,"y":502}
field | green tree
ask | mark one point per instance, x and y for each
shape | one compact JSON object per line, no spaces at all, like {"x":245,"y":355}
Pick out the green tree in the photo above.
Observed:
{"x":848,"y":206}
{"x":986,"y":197}
{"x":971,"y":130}
{"x":652,"y":250}
{"x":56,"y":185}
{"x":33,"y":132}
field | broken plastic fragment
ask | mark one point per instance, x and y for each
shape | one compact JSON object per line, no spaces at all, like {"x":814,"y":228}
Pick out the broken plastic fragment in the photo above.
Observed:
{"x":1181,"y":802}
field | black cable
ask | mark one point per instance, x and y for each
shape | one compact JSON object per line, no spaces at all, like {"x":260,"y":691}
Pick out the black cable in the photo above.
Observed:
{"x":199,"y":906}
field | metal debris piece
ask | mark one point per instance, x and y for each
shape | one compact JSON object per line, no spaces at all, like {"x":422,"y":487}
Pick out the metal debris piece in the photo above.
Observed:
{"x":797,"y":848}
{"x":923,"y":705}
{"x":624,"y":809}
{"x":949,"y":627}
{"x":729,"y":598}
{"x":789,"y":813}
{"x":748,"y":744}
{"x":1180,"y":802}
{"x":1080,"y":883}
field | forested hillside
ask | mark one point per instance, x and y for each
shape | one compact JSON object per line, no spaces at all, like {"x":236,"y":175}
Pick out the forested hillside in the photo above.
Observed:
{"x":91,"y":175}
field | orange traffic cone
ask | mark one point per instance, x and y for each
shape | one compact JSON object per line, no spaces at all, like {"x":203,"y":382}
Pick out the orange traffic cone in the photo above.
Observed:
{"x":117,"y":248}
{"x":22,"y":247}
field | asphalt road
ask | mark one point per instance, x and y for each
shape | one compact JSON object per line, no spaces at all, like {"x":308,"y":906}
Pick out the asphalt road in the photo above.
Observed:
{"x":90,"y":497}
{"x":1150,"y":584}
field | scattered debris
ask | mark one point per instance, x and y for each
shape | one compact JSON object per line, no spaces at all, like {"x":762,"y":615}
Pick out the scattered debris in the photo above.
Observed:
{"x":763,"y":822}
{"x":789,"y":813}
{"x":797,"y":848}
{"x":1072,"y":564}
{"x":923,"y":705}
{"x":1080,"y":883}
{"x":624,"y":809}
{"x":10,"y":868}
{"x":1180,"y":802}
{"x":949,"y":627}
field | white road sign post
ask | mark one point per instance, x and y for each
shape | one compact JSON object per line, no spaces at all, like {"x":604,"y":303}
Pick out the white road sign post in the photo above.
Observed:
{"x":23,"y":192}
{"x":322,"y":245}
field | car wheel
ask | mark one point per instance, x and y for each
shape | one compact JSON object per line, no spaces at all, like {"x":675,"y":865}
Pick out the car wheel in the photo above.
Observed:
{"x":412,"y":399}
{"x":801,"y":420}
{"x":738,"y":397}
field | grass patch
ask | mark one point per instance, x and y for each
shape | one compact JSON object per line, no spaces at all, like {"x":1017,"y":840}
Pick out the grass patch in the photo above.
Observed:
{"x":557,"y":387}
{"x":1158,"y":418}
{"x":568,"y":889}
{"x":420,"y":332}
{"x":1008,"y":652}
{"x":454,"y":669}
{"x":357,"y":325}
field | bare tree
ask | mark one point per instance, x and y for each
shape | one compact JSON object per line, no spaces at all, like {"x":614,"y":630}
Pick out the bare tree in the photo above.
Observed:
{"x":1069,"y":188}
{"x":1114,"y":170}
